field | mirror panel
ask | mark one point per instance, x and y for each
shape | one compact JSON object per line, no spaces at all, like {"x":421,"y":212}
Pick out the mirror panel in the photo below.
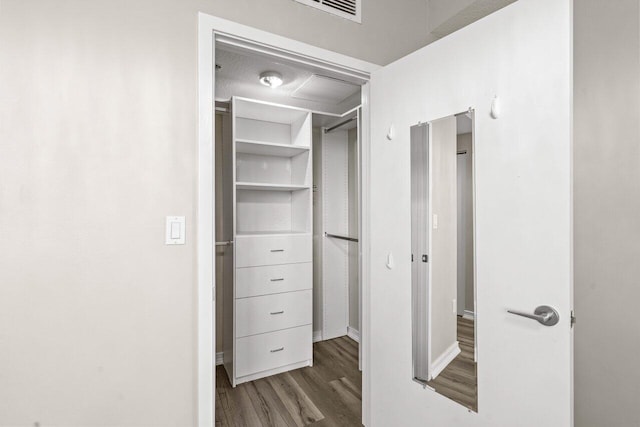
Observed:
{"x":419,"y":249}
{"x":443,"y":260}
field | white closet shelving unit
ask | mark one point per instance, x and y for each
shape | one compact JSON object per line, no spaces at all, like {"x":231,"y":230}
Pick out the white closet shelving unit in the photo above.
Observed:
{"x":268,"y":313}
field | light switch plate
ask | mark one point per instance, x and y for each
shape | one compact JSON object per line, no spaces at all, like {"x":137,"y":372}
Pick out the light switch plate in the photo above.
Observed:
{"x":175,"y":230}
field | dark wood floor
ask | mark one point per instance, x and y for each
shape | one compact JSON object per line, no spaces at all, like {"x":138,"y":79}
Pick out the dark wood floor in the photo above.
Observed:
{"x":458,"y":381}
{"x":327,"y":394}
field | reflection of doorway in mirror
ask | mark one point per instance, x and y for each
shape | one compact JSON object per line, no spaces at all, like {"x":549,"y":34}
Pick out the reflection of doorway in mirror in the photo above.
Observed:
{"x":457,"y":379}
{"x":465,"y":224}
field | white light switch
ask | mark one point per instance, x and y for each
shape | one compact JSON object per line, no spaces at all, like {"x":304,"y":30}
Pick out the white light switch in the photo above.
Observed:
{"x":175,"y":230}
{"x":435,"y":221}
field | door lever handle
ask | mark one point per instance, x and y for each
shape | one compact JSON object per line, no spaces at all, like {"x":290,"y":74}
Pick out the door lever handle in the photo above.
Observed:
{"x":544,"y":314}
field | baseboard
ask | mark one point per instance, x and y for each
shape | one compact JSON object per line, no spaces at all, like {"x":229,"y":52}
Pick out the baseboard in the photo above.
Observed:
{"x":317,"y":336}
{"x":444,"y":359}
{"x":275,"y":371}
{"x":354,"y":334}
{"x":219,"y":358}
{"x":468,"y":314}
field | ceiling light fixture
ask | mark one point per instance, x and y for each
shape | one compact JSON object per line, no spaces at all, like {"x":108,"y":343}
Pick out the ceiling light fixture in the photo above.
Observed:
{"x":271,"y":79}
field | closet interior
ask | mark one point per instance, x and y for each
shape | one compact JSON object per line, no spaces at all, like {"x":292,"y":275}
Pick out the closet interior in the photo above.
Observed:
{"x":287,"y":212}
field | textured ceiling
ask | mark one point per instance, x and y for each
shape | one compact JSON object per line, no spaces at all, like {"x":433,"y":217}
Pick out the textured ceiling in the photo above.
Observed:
{"x":239,"y":73}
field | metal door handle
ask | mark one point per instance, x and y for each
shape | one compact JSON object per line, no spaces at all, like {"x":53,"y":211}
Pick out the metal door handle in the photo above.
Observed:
{"x":544,"y":314}
{"x":277,"y":280}
{"x":277,"y":250}
{"x":275,"y":350}
{"x":277,"y":312}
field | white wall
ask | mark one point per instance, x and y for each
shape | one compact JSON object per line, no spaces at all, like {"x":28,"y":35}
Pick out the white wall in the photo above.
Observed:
{"x":521,"y":53}
{"x":606,"y":212}
{"x":98,"y":120}
{"x":98,"y":131}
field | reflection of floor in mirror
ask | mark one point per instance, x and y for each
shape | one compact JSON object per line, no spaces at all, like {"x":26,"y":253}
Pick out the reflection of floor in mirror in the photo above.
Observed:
{"x":458,"y":381}
{"x":327,"y":394}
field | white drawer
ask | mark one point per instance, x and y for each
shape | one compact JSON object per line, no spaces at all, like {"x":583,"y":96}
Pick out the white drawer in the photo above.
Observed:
{"x":273,"y":279}
{"x":272,"y":350}
{"x":267,"y":313}
{"x":254,"y":251}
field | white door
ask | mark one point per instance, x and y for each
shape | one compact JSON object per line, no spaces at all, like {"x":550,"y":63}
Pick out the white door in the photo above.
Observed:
{"x":521,"y":55}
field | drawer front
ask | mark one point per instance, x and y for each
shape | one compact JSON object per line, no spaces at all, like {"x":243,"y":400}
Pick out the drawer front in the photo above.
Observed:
{"x":270,"y":250}
{"x":257,"y":315}
{"x":272,"y":350}
{"x":273,"y":279}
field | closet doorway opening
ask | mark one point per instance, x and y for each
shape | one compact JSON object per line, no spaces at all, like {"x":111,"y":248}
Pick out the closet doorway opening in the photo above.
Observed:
{"x":288,"y":221}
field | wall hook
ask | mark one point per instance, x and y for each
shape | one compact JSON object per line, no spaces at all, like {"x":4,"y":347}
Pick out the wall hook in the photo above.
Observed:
{"x":391,"y":263}
{"x":495,"y":107}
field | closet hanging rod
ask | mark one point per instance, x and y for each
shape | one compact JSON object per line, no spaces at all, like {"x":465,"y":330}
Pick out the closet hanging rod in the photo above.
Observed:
{"x":340,"y":124}
{"x":227,"y":243}
{"x":336,"y":236}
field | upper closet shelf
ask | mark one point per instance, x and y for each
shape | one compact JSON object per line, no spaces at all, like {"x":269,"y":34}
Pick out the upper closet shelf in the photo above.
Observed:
{"x":249,"y":146}
{"x":269,"y":187}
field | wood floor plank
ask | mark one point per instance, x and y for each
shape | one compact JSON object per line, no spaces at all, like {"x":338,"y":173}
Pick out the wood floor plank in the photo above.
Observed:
{"x":269,"y":408}
{"x":221,"y":415}
{"x":329,"y":394}
{"x":323,"y":363}
{"x":235,"y":403}
{"x":351,"y":397}
{"x":351,"y":350}
{"x":325,"y":398}
{"x":298,"y":404}
{"x":329,"y":354}
{"x":458,"y":381}
{"x":239,"y":409}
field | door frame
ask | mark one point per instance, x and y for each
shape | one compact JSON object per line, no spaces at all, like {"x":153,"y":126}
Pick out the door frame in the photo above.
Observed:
{"x":211,"y":28}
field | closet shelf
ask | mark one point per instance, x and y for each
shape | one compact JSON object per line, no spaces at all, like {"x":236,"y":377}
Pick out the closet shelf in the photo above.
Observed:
{"x":249,"y":146}
{"x":269,"y":187}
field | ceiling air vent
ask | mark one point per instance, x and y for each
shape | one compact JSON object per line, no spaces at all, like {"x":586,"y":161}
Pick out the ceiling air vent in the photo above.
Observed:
{"x":349,"y":9}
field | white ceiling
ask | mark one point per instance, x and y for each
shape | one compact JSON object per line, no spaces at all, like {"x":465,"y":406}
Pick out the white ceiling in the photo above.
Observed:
{"x":448,"y":16}
{"x":240,"y":70}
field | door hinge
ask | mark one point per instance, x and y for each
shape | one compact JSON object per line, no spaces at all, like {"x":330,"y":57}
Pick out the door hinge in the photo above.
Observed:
{"x":573,"y":319}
